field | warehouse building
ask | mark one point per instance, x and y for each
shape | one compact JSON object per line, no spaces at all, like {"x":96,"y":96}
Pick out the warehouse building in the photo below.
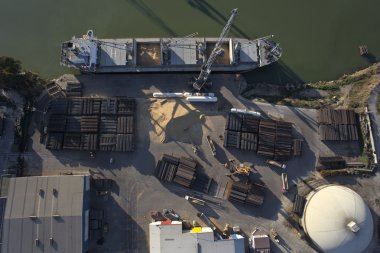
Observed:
{"x":46,"y":214}
{"x":337,"y":220}
{"x":168,"y":237}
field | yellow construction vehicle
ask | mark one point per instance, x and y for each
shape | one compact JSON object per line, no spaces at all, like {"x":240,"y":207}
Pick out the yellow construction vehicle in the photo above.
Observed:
{"x":238,"y":168}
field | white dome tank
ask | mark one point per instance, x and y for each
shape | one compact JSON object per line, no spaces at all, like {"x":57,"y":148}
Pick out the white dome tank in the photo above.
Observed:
{"x":337,"y":220}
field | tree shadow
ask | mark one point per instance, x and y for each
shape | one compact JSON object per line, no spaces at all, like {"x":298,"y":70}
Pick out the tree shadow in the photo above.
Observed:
{"x":370,"y":58}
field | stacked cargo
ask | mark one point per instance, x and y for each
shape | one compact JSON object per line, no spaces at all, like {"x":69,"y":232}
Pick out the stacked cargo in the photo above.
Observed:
{"x":185,"y":172}
{"x":232,"y":132}
{"x":299,"y":204}
{"x":269,"y":138}
{"x":245,"y":193}
{"x":71,"y":141}
{"x":338,"y":125}
{"x":331,"y":162}
{"x":179,"y":170}
{"x":284,"y":141}
{"x":54,"y":141}
{"x":105,"y":124}
{"x":241,"y":131}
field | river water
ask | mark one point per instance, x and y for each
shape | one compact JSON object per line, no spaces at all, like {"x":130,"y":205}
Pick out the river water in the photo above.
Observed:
{"x":320,"y":38}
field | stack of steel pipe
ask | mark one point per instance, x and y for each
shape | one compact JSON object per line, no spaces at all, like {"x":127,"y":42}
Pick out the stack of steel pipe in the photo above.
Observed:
{"x":297,"y":147}
{"x":338,"y":125}
{"x":56,"y":123}
{"x":107,"y":142}
{"x":71,"y":141}
{"x":109,"y":106}
{"x":126,"y":106}
{"x":167,"y":168}
{"x":75,"y":106}
{"x":91,"y":106}
{"x":245,"y":193}
{"x":89,"y":124}
{"x":54,"y":141}
{"x":104,"y":123}
{"x":73,"y":124}
{"x":89,"y":142}
{"x":267,"y":138}
{"x":298,"y":204}
{"x":58,"y":106}
{"x":185,"y":172}
{"x":179,"y":170}
{"x":284,"y":141}
{"x":232,"y":131}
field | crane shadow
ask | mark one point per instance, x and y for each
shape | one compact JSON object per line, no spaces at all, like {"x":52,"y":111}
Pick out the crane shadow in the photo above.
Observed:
{"x":145,"y":9}
{"x":214,"y":14}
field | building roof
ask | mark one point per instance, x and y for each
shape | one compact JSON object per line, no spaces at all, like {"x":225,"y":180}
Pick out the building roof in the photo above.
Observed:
{"x":332,"y":215}
{"x":169,"y":237}
{"x":45,"y":214}
{"x":261,"y":242}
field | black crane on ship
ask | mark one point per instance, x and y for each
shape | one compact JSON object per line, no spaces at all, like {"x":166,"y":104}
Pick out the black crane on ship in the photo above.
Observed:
{"x":201,"y":80}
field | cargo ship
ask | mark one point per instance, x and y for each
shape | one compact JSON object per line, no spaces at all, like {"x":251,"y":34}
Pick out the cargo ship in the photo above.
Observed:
{"x":90,"y":54}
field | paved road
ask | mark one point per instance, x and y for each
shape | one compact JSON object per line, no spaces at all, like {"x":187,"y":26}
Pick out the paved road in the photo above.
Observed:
{"x":375,"y":118}
{"x":139,"y":192}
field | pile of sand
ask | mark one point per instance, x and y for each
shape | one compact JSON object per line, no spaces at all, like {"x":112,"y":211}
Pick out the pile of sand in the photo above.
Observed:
{"x":175,"y":120}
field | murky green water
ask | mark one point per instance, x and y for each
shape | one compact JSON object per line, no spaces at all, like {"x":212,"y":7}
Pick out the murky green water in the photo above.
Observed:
{"x":320,"y":38}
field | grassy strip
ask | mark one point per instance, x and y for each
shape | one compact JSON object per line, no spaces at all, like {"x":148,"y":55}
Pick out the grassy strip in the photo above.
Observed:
{"x":335,"y":85}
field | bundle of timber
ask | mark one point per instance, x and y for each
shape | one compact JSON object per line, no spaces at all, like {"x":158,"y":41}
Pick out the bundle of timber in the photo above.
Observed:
{"x":106,"y":124}
{"x":245,"y":193}
{"x":179,"y":170}
{"x":331,"y":162}
{"x":338,"y":125}
{"x":272,"y":139}
{"x":74,"y":89}
{"x":298,"y":204}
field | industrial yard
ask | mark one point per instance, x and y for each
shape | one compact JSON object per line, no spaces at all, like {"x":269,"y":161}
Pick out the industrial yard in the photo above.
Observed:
{"x":172,"y":156}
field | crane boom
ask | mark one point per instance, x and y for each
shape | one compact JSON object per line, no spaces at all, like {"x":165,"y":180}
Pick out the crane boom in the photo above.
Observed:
{"x":206,"y":67}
